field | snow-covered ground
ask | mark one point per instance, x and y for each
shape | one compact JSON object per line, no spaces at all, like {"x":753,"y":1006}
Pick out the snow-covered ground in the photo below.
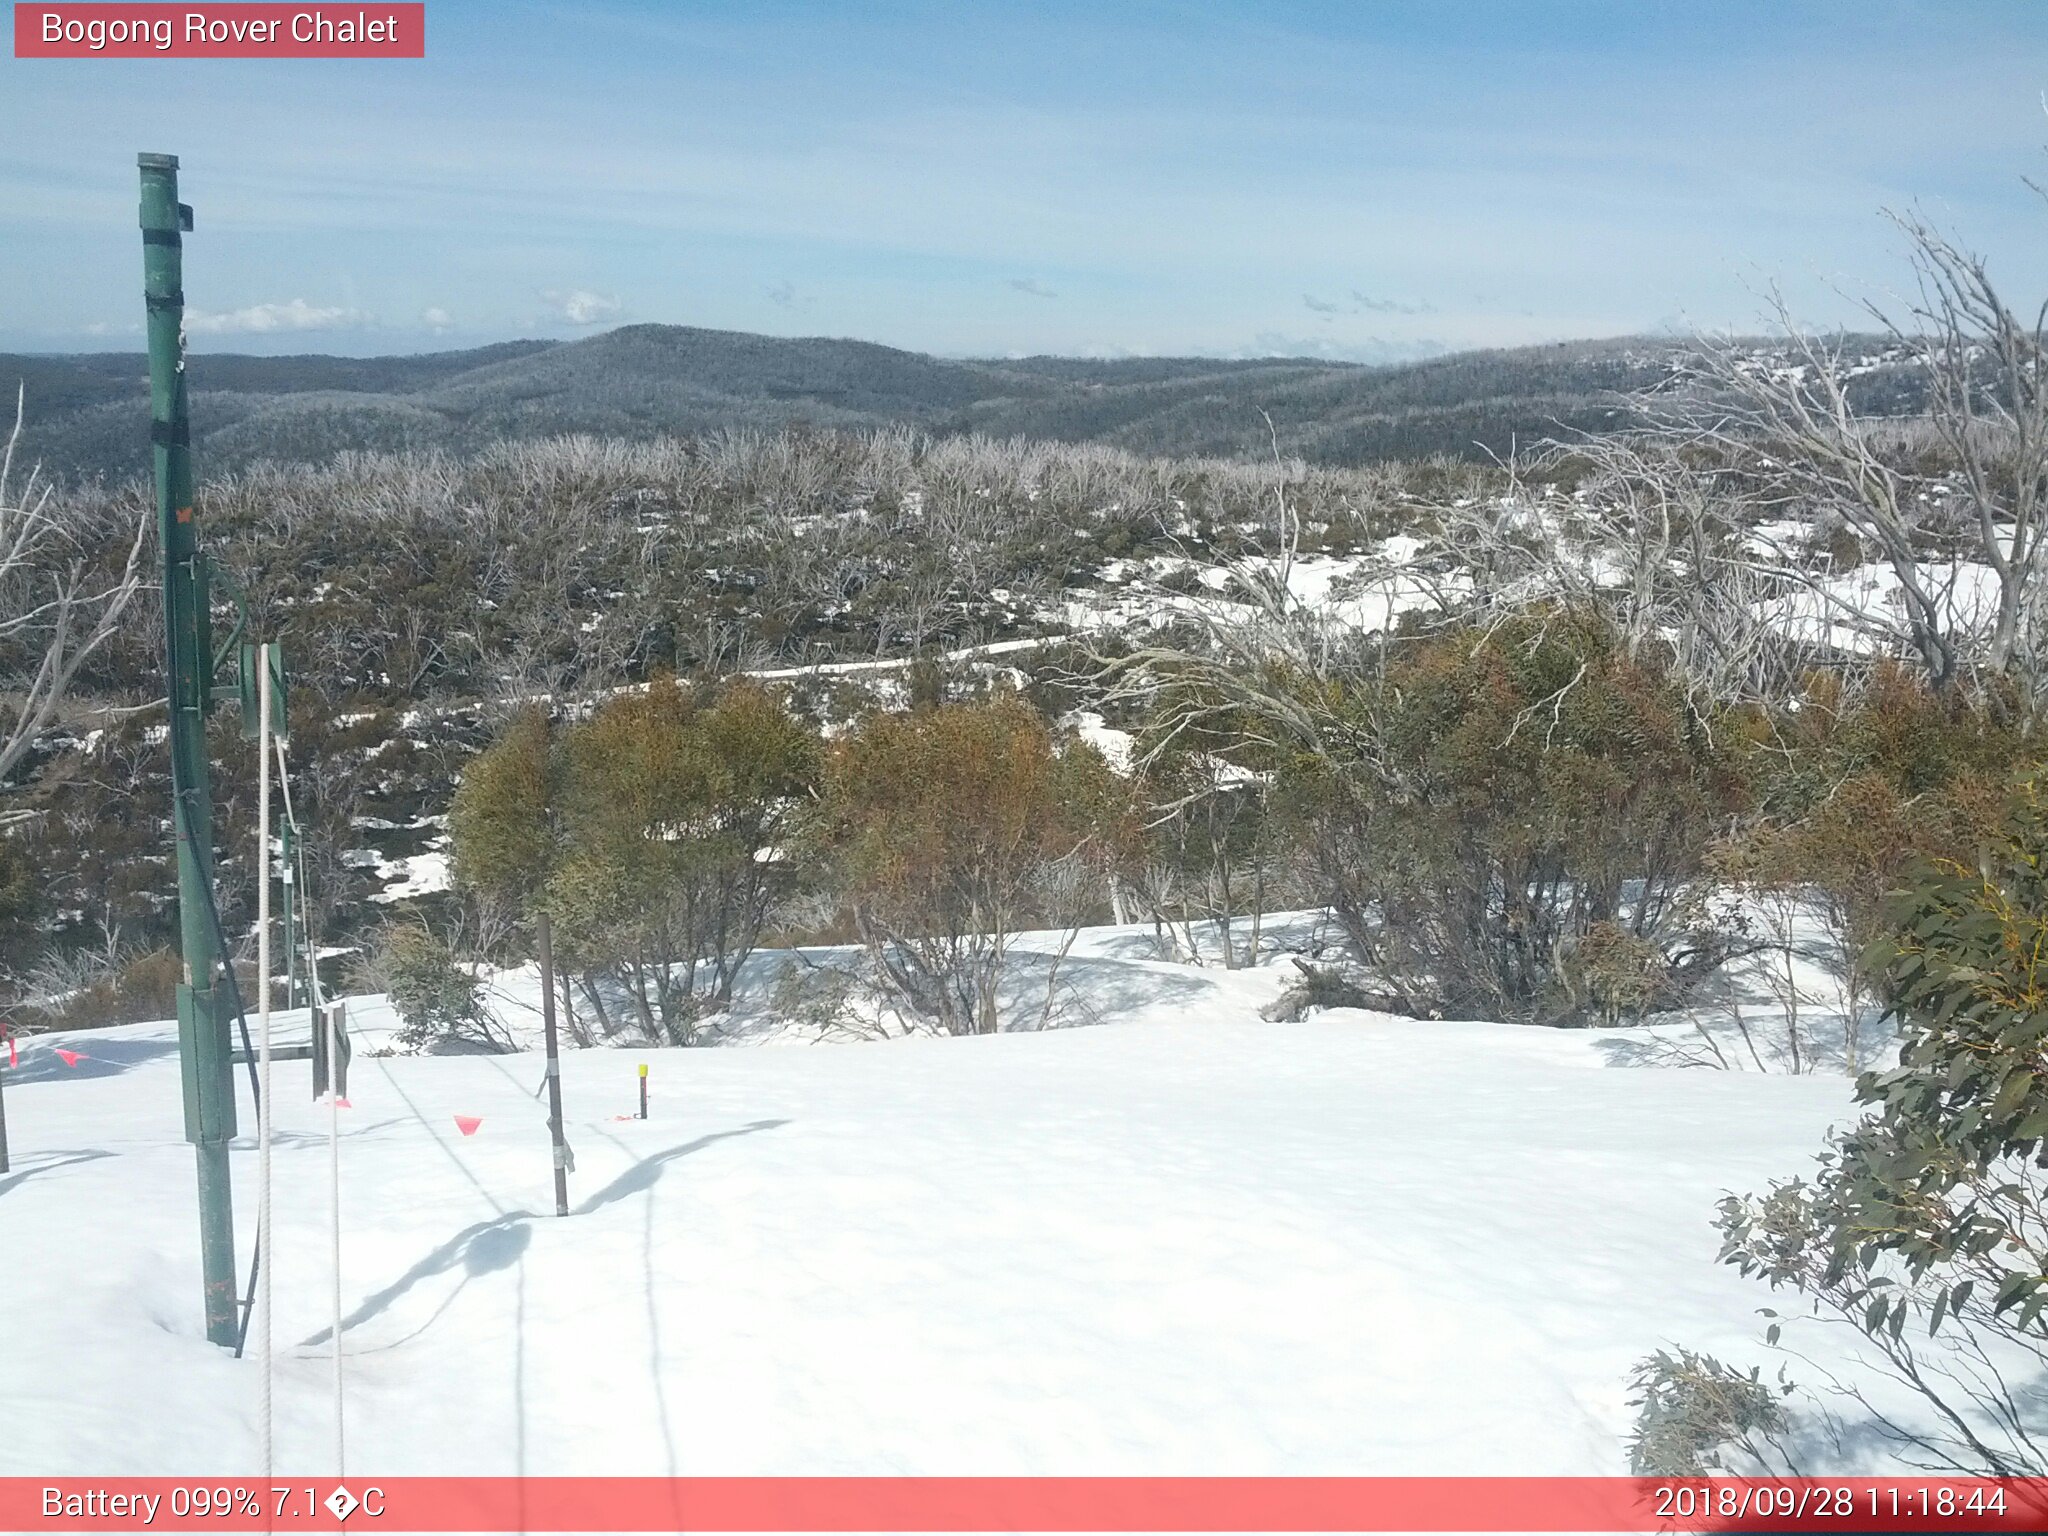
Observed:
{"x":1184,"y":1241}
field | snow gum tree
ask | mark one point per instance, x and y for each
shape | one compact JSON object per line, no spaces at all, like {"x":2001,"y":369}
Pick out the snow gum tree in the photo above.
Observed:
{"x":502,"y":818}
{"x":941,"y":824}
{"x":656,"y":833}
{"x":1801,"y":442}
{"x":1509,"y":820}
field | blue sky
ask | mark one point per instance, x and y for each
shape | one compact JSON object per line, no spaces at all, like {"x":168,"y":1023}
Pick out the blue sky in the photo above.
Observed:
{"x":1369,"y":180}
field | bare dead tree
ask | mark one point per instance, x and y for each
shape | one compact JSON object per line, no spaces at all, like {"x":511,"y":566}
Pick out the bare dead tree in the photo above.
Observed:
{"x":1988,"y":403}
{"x":1658,"y":543}
{"x":56,"y":607}
{"x":1797,"y":441}
{"x":1794,"y":435}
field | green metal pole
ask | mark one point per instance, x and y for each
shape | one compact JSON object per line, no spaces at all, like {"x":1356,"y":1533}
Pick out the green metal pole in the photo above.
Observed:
{"x":204,"y":1050}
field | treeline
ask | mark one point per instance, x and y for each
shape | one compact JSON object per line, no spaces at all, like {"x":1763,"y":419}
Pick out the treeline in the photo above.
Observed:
{"x":577,"y":563}
{"x":645,"y":382}
{"x":1514,"y":821}
{"x":420,"y":598}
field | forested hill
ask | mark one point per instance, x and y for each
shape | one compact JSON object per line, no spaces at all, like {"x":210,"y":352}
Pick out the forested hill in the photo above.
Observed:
{"x":86,"y":412}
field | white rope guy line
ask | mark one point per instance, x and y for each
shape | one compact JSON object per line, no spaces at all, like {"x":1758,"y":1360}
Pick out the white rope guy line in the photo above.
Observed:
{"x":264,"y":1109}
{"x":324,"y":1018}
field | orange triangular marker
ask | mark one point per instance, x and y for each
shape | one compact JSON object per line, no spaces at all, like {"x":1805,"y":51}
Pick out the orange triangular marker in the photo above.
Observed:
{"x":467,"y":1124}
{"x":71,"y":1058}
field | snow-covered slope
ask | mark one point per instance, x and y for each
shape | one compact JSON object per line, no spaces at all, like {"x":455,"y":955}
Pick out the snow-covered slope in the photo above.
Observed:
{"x":1191,"y":1242}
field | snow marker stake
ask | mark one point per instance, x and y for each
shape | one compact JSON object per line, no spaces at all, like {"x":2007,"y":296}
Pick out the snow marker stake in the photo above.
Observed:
{"x":13,"y":1059}
{"x":544,"y":935}
{"x":643,"y":1090}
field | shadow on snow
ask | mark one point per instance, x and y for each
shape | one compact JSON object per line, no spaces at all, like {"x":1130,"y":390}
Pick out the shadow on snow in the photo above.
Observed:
{"x":490,"y":1247}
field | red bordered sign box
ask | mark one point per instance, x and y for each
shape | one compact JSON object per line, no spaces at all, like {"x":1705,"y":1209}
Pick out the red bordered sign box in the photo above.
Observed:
{"x":1052,"y":1504}
{"x":104,"y":31}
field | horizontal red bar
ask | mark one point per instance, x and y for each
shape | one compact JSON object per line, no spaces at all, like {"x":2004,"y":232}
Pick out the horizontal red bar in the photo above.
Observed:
{"x":104,"y":31}
{"x":1059,"y":1504}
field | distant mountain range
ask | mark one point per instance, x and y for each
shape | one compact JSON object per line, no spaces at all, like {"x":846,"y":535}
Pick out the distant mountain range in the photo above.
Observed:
{"x":87,"y":412}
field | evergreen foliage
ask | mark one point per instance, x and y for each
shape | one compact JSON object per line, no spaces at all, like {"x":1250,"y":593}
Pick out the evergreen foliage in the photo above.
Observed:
{"x":938,"y":823}
{"x":1693,"y":1411}
{"x":1933,"y":1210}
{"x":1857,"y":784}
{"x":1511,"y":821}
{"x":657,"y":834}
{"x":501,"y":819}
{"x":438,"y":998}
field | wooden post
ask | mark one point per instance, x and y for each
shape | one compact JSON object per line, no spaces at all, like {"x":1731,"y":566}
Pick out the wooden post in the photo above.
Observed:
{"x":544,"y":934}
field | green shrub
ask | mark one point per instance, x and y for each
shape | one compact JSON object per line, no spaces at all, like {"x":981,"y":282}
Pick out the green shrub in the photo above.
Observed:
{"x":1498,"y":801}
{"x":439,"y":1000}
{"x":939,"y":824}
{"x":1933,"y":1210}
{"x":1691,"y":1411}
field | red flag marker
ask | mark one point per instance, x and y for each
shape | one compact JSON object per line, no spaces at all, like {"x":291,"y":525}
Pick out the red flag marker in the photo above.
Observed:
{"x":13,"y":1053}
{"x":467,"y":1124}
{"x":70,"y":1058}
{"x":343,"y":1104}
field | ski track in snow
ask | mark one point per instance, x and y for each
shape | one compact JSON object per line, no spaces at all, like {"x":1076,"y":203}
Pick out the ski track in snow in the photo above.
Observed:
{"x":1189,"y":1242}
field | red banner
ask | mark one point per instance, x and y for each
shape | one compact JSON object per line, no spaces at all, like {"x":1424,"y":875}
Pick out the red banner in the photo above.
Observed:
{"x":102,"y":31}
{"x":1060,"y":1504}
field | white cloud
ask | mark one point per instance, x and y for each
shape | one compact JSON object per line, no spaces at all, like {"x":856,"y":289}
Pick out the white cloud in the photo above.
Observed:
{"x":1369,"y":349}
{"x":435,"y":318}
{"x":297,"y":315}
{"x":582,"y":307}
{"x":1390,"y":306}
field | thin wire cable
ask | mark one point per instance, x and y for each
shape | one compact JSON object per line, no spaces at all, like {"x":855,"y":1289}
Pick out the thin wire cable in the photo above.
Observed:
{"x":264,"y":1107}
